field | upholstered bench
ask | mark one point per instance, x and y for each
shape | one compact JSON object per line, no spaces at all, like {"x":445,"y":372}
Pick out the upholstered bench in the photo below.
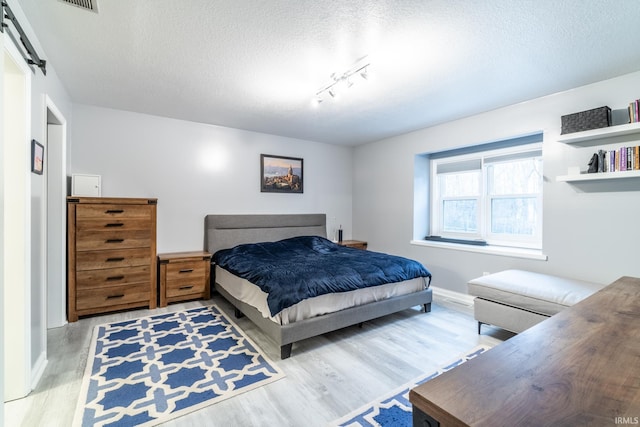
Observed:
{"x":515,"y":300}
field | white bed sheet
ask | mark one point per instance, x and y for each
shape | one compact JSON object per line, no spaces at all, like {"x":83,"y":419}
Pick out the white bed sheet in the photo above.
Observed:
{"x":251,"y":294}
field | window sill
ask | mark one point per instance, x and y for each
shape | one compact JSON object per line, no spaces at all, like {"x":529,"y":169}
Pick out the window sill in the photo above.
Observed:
{"x":535,"y":254}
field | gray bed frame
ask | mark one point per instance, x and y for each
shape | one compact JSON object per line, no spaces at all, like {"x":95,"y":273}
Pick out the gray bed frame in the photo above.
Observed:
{"x":227,"y":231}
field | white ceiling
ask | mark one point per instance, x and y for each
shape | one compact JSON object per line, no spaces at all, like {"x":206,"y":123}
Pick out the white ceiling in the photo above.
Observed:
{"x":256,"y":64}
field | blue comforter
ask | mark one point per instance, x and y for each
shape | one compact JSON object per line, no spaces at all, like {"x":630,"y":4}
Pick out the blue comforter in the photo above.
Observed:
{"x":295,"y":269}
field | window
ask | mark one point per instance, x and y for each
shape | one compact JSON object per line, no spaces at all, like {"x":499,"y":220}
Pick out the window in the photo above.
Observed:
{"x":489,"y":197}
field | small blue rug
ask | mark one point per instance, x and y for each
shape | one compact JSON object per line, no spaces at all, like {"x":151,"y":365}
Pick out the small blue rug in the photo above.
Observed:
{"x":394,"y":409}
{"x":146,"y":371}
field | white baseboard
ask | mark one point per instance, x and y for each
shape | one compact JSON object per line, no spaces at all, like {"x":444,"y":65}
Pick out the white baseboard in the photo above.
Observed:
{"x":38,"y":369}
{"x":441,"y":294}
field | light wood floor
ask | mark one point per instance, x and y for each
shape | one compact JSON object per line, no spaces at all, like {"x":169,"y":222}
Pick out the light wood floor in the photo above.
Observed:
{"x":326,"y":377}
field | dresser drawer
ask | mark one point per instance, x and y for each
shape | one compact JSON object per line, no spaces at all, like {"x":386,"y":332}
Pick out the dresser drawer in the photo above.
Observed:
{"x":113,"y":211}
{"x":111,"y":224}
{"x":112,"y":295}
{"x":92,"y":240}
{"x":93,"y":260}
{"x":112,"y":276}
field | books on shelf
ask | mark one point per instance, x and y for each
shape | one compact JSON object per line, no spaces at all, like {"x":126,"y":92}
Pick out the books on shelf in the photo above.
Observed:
{"x":634,"y":111}
{"x":622,"y":159}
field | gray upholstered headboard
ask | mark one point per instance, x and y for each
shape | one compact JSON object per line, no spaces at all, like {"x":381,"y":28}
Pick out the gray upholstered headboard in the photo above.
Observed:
{"x":227,"y":231}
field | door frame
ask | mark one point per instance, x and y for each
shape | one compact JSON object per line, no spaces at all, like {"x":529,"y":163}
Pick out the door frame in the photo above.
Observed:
{"x":56,"y":191}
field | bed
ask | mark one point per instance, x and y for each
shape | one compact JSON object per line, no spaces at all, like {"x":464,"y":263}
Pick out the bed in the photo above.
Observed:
{"x":313,"y":316}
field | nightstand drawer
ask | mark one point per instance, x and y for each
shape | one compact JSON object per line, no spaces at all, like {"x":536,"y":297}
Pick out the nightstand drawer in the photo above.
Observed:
{"x":94,"y":260}
{"x":112,"y":295}
{"x":88,"y":279}
{"x":176,"y":288}
{"x":194,"y":270}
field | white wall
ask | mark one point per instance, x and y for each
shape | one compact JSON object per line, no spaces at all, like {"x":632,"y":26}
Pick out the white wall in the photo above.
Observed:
{"x":196,"y":169}
{"x":589,"y":231}
{"x":48,"y":91}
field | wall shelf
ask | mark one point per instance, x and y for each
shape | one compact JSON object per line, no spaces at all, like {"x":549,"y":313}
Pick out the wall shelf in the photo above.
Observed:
{"x":603,"y":136}
{"x":597,"y":136}
{"x":603,"y":176}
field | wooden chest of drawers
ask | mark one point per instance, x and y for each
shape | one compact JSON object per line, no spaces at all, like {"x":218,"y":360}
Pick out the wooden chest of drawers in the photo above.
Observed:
{"x":184,"y":276}
{"x":111,"y":245}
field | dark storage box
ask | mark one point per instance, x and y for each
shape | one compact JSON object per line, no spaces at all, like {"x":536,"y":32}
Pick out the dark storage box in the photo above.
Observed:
{"x":586,"y":120}
{"x":619,"y":117}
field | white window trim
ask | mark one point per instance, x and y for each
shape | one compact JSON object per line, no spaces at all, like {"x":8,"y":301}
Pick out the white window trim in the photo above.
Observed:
{"x":495,"y":243}
{"x":533,"y":254}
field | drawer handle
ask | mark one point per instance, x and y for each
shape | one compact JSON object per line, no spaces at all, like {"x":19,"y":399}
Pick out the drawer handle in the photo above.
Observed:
{"x":114,"y":241}
{"x":112,"y":278}
{"x":115,"y":224}
{"x":184,"y":288}
{"x":114,"y":211}
{"x":116,"y":259}
{"x":115,"y":296}
{"x":186,"y":270}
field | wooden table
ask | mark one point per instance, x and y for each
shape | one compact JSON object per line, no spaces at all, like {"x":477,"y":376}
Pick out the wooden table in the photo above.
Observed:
{"x":358,"y":244}
{"x":581,"y":367}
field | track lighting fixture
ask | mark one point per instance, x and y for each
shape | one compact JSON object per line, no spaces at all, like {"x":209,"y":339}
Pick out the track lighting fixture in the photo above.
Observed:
{"x":341,"y":79}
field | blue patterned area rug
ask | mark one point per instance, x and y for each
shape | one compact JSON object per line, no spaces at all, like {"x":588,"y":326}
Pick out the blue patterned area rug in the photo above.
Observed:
{"x":394,"y":409}
{"x":147,"y":371}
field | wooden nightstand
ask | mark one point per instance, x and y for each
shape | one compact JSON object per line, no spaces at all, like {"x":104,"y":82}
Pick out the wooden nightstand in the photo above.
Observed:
{"x":184,"y":276}
{"x":358,"y":244}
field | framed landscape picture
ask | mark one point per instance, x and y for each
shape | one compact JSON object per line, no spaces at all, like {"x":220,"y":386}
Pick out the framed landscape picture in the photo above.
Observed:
{"x":280,"y":174}
{"x":37,"y":157}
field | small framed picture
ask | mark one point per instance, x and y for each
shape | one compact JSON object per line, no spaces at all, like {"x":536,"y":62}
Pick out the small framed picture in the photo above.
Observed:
{"x":280,"y":174}
{"x":37,"y":157}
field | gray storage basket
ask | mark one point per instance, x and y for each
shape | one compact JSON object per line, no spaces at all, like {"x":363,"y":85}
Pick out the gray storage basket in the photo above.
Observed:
{"x":586,"y":120}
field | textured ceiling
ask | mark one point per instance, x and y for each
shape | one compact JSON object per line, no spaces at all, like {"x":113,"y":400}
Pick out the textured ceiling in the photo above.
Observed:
{"x":255,"y":65}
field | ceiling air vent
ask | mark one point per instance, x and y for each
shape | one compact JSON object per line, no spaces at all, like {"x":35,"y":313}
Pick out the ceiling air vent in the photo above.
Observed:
{"x":91,"y":5}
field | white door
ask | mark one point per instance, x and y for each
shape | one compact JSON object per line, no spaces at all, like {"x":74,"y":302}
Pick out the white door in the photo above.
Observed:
{"x":15,"y":223}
